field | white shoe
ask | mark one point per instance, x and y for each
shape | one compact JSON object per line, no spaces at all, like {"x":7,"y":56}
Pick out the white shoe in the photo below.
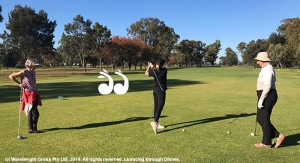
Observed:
{"x":160,"y":126}
{"x":154,"y":126}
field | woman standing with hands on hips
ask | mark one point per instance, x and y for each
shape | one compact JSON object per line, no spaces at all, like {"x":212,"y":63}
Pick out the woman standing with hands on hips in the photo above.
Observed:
{"x":30,"y":95}
{"x":159,"y":73}
{"x":267,"y":98}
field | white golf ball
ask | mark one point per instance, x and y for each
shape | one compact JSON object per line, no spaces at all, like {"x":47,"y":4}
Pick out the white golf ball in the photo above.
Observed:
{"x":252,"y":134}
{"x":183,"y":129}
{"x":228,"y":132}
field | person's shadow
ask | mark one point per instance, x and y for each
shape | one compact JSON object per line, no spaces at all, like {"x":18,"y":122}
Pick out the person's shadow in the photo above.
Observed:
{"x":102,"y":124}
{"x":291,"y":140}
{"x":206,"y":120}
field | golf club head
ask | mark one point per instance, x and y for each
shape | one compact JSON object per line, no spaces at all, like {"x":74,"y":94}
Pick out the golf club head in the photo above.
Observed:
{"x":21,"y":137}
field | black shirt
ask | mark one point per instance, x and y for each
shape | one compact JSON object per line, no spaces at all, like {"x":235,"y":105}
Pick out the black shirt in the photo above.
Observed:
{"x":161,"y":76}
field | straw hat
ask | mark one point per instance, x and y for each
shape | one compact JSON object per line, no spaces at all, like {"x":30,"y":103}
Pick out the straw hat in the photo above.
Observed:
{"x":263,"y":56}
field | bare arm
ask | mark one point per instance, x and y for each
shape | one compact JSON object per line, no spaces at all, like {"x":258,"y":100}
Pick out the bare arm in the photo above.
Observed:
{"x":13,"y":77}
{"x":149,"y":66}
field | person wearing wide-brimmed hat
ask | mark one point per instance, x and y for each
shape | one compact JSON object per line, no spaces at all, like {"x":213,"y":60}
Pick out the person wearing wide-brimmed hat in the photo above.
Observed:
{"x":267,"y":98}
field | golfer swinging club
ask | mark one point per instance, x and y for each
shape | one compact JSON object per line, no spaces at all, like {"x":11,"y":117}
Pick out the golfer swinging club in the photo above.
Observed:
{"x":267,"y":98}
{"x":159,"y":73}
{"x":30,"y":95}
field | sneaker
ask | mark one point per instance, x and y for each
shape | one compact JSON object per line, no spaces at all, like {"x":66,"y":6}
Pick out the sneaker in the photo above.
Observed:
{"x":261,"y":145}
{"x":279,"y":140}
{"x":160,"y":126}
{"x":154,"y":126}
{"x":34,"y":131}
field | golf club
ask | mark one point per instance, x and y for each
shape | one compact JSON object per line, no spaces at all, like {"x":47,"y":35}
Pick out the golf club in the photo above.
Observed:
{"x":20,"y":136}
{"x":255,"y":127}
{"x":254,"y":134}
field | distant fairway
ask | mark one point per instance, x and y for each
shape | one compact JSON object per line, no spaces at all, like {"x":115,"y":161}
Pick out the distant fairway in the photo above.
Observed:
{"x":206,"y":102}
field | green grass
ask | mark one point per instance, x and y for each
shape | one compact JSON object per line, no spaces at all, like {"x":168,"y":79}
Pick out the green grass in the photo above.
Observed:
{"x":206,"y":102}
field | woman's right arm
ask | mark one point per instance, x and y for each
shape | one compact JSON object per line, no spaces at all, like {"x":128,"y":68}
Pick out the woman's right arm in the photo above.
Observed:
{"x":13,"y":77}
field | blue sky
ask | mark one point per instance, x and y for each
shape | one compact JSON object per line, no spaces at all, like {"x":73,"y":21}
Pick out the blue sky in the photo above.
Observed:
{"x":231,"y":21}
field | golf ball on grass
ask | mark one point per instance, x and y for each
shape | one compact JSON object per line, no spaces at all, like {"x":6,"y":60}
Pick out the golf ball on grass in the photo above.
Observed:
{"x":252,"y":134}
{"x":228,"y":132}
{"x":183,"y":130}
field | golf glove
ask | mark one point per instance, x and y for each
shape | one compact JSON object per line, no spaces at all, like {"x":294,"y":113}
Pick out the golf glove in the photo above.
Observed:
{"x":260,"y":104}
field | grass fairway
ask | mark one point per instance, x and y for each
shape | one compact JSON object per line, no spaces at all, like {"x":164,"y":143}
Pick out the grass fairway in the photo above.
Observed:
{"x":206,"y":102}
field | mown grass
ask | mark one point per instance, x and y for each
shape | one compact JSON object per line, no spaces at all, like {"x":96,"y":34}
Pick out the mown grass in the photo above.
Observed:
{"x":206,"y":102}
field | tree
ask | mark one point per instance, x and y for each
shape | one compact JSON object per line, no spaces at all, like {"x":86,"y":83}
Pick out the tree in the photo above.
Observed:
{"x":275,"y":38}
{"x":231,"y":58}
{"x":1,"y":18}
{"x":147,"y":53}
{"x":102,"y":36}
{"x":122,"y":50}
{"x":290,"y":29}
{"x":31,"y":34}
{"x":241,"y":47}
{"x":172,"y":60}
{"x":211,"y":53}
{"x":279,"y":56}
{"x":186,"y":48}
{"x":297,"y":56}
{"x":199,"y":50}
{"x":155,"y":33}
{"x":180,"y":58}
{"x":68,"y":49}
{"x":8,"y":56}
{"x":193,"y":51}
{"x":125,"y":49}
{"x":252,"y":49}
{"x":81,"y":32}
{"x":167,"y":40}
{"x":136,"y":51}
{"x":249,"y":53}
{"x":111,"y":53}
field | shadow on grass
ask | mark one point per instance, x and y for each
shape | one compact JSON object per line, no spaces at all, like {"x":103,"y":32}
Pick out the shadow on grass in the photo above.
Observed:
{"x":291,"y":140}
{"x":102,"y":124}
{"x":83,"y":89}
{"x":206,"y":120}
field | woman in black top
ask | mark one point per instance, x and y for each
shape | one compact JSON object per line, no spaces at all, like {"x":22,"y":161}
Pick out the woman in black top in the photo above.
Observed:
{"x":159,"y":73}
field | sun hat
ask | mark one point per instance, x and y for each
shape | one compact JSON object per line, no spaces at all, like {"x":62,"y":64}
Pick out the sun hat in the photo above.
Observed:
{"x":263,"y":56}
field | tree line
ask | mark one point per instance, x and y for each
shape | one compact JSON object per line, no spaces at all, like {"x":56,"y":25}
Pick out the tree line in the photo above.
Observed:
{"x":86,"y":43}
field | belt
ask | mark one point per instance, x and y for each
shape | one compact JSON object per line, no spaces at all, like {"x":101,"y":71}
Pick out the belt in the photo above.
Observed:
{"x":273,"y":89}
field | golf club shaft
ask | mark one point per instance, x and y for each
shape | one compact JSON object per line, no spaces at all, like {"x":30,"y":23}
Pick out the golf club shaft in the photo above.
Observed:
{"x":20,"y":112}
{"x":255,"y":127}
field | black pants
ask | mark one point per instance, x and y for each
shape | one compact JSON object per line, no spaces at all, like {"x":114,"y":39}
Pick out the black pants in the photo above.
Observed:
{"x":33,"y":116}
{"x":159,"y":102}
{"x":264,"y":114}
